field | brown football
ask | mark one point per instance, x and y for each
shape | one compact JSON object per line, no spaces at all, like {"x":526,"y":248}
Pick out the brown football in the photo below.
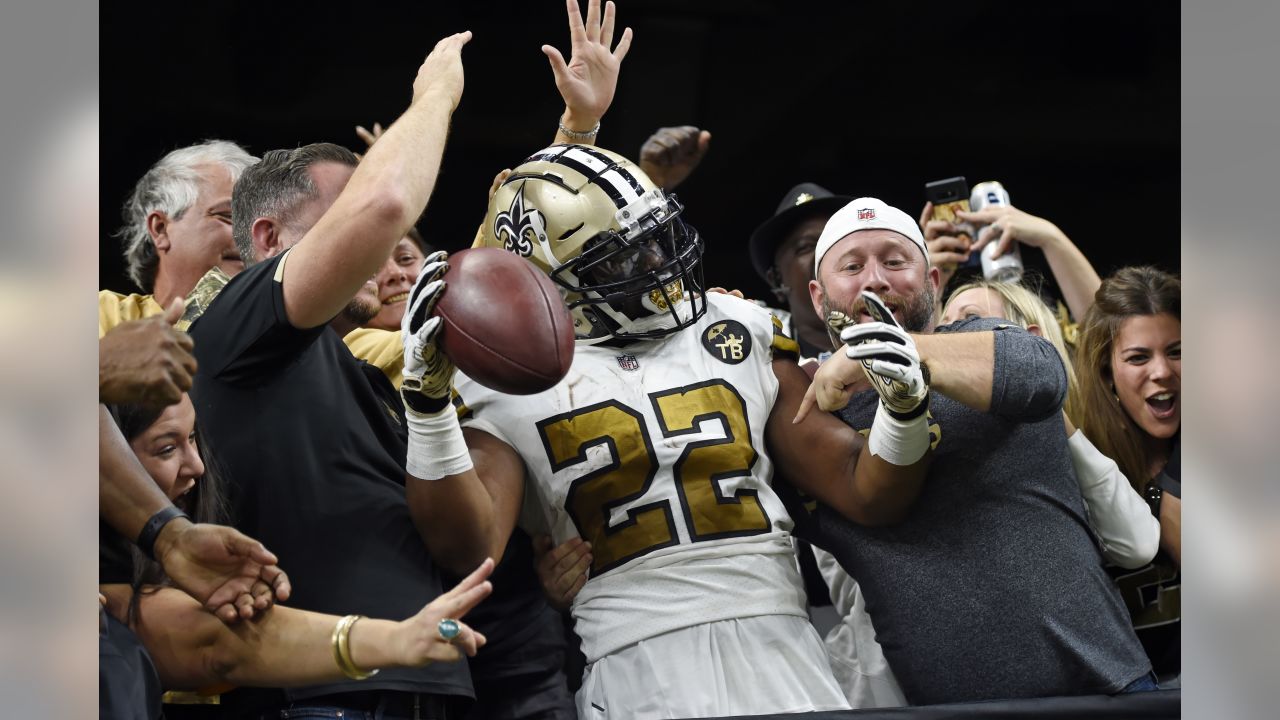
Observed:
{"x":505,"y":324}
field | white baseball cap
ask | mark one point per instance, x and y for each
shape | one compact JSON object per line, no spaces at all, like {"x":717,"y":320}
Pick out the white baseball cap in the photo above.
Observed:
{"x":867,"y":213}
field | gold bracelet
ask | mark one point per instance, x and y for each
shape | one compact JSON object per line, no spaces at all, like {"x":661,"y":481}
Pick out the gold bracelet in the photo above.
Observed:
{"x":342,"y":649}
{"x":337,"y":634}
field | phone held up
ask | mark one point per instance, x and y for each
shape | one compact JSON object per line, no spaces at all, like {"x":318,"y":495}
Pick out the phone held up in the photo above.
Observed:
{"x":949,"y":196}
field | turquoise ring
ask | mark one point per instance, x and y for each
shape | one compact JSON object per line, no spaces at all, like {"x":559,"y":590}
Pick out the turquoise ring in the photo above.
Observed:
{"x":449,"y":629}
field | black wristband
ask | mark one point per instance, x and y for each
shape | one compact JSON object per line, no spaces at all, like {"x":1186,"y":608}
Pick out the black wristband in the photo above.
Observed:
{"x":1153,"y":495}
{"x":423,"y":404}
{"x":147,"y":538}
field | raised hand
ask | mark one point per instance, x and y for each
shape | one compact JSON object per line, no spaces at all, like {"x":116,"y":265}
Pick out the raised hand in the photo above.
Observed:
{"x":440,"y":75}
{"x":1003,"y":225}
{"x":672,"y":153}
{"x":421,"y":642}
{"x":588,"y":81}
{"x":889,"y":357}
{"x":428,"y":372}
{"x":369,"y":136}
{"x":949,"y":245}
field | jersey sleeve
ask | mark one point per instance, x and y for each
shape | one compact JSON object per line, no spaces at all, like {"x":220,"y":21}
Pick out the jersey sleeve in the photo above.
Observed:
{"x":1029,"y":381}
{"x":478,"y":407}
{"x":782,"y":345}
{"x":766,"y":329}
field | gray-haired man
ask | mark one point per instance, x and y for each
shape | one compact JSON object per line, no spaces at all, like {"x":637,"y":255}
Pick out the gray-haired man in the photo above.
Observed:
{"x":177,"y":226}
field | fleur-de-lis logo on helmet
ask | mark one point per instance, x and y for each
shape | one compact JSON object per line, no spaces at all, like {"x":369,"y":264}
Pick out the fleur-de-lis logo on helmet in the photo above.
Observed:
{"x":513,"y":226}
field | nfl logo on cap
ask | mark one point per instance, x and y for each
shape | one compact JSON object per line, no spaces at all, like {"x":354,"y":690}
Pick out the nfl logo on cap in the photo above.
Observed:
{"x":867,"y":213}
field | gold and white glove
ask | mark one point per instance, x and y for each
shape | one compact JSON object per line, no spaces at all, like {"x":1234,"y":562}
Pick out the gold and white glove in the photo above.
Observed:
{"x":428,"y":372}
{"x":436,"y":446}
{"x":889,"y":356}
{"x":900,"y":433}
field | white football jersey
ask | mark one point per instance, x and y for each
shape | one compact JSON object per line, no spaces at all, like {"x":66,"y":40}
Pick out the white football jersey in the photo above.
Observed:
{"x":654,"y":453}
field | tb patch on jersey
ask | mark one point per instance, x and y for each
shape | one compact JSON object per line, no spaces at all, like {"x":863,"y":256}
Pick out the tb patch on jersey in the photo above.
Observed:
{"x":728,"y":341}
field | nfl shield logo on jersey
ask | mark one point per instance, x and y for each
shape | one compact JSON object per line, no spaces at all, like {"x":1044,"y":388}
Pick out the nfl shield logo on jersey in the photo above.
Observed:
{"x":628,"y":362}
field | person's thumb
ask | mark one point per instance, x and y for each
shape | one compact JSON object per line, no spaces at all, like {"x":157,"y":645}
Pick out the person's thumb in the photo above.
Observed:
{"x":558,"y":66}
{"x":244,"y":546}
{"x":173,"y":313}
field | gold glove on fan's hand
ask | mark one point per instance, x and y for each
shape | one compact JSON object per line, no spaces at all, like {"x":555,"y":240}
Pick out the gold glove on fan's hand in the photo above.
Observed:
{"x":888,"y":355}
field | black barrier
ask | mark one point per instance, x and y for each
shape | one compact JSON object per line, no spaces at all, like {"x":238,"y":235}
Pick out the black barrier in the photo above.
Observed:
{"x":1158,"y":704}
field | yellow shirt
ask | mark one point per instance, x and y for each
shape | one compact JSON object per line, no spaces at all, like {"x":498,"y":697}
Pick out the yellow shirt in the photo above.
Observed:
{"x":114,"y":308}
{"x":379,"y":348}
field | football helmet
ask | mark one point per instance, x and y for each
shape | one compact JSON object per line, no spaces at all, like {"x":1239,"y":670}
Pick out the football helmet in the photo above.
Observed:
{"x":627,"y":264}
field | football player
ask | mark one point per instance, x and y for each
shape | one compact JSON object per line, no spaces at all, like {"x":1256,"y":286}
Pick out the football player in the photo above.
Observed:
{"x":658,"y":449}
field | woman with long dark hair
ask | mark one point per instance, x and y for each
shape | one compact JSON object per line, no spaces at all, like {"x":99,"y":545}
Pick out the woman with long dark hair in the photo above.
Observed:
{"x":285,"y":647}
{"x":1129,"y":361}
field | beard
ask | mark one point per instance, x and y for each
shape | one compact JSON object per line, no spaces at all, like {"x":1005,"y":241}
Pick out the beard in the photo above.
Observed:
{"x":361,"y":309}
{"x":915,"y":313}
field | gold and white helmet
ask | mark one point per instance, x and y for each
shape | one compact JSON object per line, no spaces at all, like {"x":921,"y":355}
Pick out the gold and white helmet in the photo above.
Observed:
{"x":613,"y":242}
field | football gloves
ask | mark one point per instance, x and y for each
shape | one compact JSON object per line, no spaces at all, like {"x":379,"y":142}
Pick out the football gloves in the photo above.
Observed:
{"x":428,"y":372}
{"x":889,"y":357}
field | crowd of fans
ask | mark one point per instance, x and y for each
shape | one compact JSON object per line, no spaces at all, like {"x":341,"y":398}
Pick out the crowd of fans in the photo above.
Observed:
{"x":307,"y":511}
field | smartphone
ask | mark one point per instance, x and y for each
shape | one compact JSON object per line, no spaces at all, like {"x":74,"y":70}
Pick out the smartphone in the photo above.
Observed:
{"x":947,"y":197}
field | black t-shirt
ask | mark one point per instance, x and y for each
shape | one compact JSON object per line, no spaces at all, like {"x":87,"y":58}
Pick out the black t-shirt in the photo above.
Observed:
{"x":128,"y":684}
{"x":519,"y":673}
{"x":312,"y":445}
{"x":115,"y":556}
{"x":1153,"y":593}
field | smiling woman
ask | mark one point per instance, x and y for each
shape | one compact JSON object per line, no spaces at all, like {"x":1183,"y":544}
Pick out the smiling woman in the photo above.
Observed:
{"x":1131,"y":370}
{"x":1130,"y":364}
{"x":396,"y":278}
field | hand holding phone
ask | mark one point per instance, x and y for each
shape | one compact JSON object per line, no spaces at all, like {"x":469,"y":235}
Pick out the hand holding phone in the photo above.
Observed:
{"x":948,"y":237}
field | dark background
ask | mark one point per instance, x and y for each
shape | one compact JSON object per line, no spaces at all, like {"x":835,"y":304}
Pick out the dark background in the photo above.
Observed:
{"x":1073,"y":106}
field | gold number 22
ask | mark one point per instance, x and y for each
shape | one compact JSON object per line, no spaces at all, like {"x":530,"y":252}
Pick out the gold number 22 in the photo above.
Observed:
{"x":699,"y":471}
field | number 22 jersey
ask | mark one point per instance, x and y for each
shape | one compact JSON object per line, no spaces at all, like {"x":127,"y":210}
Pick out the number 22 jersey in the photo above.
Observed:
{"x":654,"y":453}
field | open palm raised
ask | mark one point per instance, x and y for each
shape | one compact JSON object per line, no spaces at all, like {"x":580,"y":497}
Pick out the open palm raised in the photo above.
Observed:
{"x":588,"y":81}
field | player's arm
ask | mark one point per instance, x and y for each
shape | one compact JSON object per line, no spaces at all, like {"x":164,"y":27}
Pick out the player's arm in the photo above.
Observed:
{"x":386,"y":194}
{"x":462,"y":518}
{"x":286,"y":646}
{"x":830,"y":461}
{"x":895,"y":458}
{"x":469,"y":514}
{"x":589,"y":80}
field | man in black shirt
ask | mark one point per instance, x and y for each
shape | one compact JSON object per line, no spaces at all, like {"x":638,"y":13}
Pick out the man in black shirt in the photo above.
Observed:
{"x":312,"y":439}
